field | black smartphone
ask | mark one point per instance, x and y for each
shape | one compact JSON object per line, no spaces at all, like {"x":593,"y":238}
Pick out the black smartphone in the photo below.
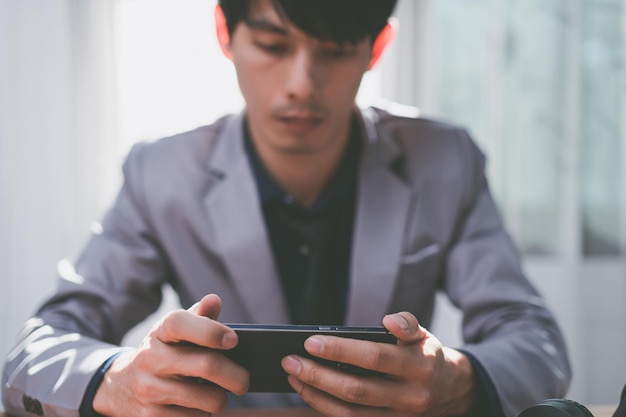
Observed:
{"x":262,"y":347}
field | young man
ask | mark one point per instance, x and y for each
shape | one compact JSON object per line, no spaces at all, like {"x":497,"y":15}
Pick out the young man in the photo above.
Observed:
{"x":301,"y":209}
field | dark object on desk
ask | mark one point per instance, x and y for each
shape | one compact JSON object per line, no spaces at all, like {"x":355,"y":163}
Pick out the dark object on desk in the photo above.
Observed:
{"x":568,"y":408}
{"x":262,"y":347}
{"x":557,"y":408}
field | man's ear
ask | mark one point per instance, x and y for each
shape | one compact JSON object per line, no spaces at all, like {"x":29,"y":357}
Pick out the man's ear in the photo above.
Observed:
{"x":384,"y":39}
{"x":223,"y":37}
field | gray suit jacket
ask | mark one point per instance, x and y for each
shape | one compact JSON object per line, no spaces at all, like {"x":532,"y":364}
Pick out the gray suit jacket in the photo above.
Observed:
{"x":188,"y":214}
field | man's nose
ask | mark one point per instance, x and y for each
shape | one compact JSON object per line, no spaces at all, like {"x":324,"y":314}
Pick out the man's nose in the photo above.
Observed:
{"x":303,"y":78}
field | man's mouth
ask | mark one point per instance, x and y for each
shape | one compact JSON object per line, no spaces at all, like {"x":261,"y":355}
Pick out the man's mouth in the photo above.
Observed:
{"x":301,"y":123}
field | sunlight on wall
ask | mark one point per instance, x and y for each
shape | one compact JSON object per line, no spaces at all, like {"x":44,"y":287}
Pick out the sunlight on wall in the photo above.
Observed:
{"x":171,"y":75}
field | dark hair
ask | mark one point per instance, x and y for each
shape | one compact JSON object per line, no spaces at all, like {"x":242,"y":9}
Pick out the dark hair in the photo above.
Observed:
{"x":339,"y":21}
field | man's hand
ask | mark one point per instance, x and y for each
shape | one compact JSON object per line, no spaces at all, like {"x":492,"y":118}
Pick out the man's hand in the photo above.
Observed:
{"x":423,"y":378}
{"x":161,"y":376}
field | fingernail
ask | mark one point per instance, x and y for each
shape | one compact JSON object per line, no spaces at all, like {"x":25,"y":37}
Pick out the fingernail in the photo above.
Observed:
{"x":404,"y":325}
{"x":194,"y":307}
{"x":292,"y":365}
{"x":229,"y":340}
{"x":314,"y":345}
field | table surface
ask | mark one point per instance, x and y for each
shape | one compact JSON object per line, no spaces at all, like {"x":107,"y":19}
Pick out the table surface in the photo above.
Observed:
{"x":597,"y":411}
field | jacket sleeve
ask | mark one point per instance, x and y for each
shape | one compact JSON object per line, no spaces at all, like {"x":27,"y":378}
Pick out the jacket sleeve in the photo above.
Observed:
{"x":115,"y":283}
{"x":506,"y":325}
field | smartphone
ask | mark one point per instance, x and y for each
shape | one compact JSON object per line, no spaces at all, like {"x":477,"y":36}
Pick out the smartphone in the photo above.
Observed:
{"x":262,"y":347}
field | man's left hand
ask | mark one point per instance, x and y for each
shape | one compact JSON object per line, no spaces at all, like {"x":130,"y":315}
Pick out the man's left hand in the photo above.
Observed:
{"x":422,"y":377}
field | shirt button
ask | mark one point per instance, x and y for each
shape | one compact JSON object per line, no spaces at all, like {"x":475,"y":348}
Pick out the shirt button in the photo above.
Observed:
{"x":304,"y":250}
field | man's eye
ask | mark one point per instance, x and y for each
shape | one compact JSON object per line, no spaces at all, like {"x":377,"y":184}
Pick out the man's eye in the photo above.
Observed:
{"x":272,"y":48}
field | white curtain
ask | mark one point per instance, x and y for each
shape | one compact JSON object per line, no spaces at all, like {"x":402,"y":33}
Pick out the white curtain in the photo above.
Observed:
{"x":58,"y":158}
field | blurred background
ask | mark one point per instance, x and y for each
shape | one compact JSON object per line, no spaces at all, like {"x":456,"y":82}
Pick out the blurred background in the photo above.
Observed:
{"x":540,"y":84}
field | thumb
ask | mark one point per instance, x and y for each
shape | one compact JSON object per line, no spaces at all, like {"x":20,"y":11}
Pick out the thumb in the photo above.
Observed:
{"x":209,"y":306}
{"x":405,"y":327}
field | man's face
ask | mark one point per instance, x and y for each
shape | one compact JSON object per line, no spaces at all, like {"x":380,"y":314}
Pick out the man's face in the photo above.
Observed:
{"x":299,"y":91}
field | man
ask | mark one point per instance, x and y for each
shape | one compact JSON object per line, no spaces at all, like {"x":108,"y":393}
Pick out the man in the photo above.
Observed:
{"x":302,"y":209}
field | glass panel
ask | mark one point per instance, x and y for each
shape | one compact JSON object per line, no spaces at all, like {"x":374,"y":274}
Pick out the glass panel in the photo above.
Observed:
{"x":603,"y":138}
{"x":541,"y":86}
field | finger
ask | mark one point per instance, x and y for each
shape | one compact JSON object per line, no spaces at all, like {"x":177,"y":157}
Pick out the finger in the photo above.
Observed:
{"x":385,"y":358}
{"x":213,"y":366}
{"x":209,"y":306}
{"x":329,"y":405}
{"x":175,"y":361}
{"x":381,"y":393}
{"x":183,"y":326}
{"x":405,"y":327}
{"x":186,"y":394}
{"x":372,"y":391}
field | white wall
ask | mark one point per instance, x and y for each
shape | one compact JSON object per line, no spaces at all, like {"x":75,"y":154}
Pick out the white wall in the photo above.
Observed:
{"x":58,"y":161}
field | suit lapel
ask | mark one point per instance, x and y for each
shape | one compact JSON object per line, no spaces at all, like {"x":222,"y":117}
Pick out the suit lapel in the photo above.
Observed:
{"x":382,"y":207}
{"x":239,"y":231}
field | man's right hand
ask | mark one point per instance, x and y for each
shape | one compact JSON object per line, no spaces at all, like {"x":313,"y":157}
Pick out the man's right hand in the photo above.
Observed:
{"x":161,"y":376}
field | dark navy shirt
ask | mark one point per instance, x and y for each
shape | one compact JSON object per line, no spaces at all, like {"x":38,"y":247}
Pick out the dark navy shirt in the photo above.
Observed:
{"x":312,"y":245}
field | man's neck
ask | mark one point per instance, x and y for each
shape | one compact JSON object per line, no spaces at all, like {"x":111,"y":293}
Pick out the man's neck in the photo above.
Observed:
{"x":305,"y":175}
